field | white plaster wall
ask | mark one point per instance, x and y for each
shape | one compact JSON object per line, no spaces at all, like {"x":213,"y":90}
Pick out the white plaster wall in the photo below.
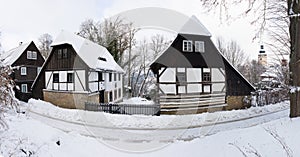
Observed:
{"x":217,"y":87}
{"x":81,"y":76}
{"x":168,"y":76}
{"x":217,"y":75}
{"x":194,"y":88}
{"x":194,"y":75}
{"x":168,"y":89}
{"x":48,"y":78}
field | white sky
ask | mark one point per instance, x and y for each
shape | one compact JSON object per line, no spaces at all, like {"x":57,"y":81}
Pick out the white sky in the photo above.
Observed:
{"x":24,"y":21}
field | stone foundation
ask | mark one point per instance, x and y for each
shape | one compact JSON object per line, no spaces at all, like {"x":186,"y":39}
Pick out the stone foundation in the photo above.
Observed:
{"x":71,"y":100}
{"x":236,"y":102}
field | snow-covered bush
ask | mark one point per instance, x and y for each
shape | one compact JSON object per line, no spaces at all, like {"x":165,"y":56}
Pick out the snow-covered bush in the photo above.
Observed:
{"x":7,"y":98}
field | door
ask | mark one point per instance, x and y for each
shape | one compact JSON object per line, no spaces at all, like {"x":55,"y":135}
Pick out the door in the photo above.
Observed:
{"x":101,"y":96}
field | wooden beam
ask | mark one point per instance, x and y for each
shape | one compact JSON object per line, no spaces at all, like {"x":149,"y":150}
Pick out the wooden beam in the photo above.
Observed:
{"x":79,"y":80}
{"x":159,"y":75}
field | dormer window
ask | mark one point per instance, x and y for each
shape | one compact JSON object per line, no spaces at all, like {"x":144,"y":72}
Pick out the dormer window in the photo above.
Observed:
{"x":31,"y":55}
{"x":187,"y":46}
{"x":102,"y":59}
{"x":199,"y":46}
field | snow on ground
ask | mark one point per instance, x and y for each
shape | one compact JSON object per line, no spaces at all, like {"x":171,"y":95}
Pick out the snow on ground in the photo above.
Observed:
{"x":27,"y":136}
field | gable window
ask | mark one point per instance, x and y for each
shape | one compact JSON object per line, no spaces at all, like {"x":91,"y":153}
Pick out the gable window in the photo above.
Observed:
{"x":199,"y":46}
{"x":59,"y":54}
{"x":206,"y":77}
{"x":23,"y":71}
{"x":24,"y":88}
{"x":55,"y":78}
{"x":70,"y":77}
{"x":187,"y":45}
{"x":65,"y":53}
{"x":31,"y":55}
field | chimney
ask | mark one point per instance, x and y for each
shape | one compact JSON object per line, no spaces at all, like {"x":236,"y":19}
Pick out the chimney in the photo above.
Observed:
{"x":20,"y":43}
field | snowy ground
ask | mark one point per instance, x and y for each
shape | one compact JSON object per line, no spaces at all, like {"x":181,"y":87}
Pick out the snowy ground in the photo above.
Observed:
{"x":29,"y":134}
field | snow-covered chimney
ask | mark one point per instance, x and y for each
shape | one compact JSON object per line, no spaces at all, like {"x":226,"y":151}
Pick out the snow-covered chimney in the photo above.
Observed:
{"x":20,"y":43}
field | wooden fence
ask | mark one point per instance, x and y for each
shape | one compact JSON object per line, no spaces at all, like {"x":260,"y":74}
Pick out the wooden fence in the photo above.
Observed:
{"x":129,"y":109}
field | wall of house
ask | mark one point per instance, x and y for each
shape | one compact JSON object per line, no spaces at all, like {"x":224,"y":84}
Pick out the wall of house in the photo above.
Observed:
{"x":113,"y":87}
{"x":68,"y":99}
{"x":236,"y":102}
{"x":78,"y":84}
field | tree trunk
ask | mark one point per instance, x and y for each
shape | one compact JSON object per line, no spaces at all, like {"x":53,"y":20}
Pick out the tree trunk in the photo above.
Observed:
{"x":294,"y":57}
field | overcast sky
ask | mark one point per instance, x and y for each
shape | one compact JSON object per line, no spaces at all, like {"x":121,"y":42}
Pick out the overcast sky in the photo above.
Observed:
{"x":26,"y":20}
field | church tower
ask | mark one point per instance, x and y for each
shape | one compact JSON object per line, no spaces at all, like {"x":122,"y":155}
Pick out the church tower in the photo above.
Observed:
{"x":262,"y":56}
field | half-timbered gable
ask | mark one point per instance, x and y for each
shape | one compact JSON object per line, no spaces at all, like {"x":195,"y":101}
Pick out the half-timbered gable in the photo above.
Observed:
{"x":192,"y":75}
{"x":79,"y":70}
{"x":26,"y":61}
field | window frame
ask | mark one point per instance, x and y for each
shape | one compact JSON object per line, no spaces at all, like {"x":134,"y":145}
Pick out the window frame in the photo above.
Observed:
{"x":24,"y":86}
{"x":189,"y":44}
{"x":23,"y":71}
{"x":200,"y":46}
{"x":59,"y":54}
{"x":110,"y":77}
{"x":206,"y":77}
{"x":70,"y":78}
{"x":32,"y":55}
{"x":54,"y":80}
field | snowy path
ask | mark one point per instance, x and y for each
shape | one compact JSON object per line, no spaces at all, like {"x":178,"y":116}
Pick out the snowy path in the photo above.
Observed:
{"x":163,"y":129}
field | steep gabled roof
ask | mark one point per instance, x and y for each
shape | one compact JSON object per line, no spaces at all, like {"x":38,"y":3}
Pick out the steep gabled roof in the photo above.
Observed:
{"x":88,"y":51}
{"x":12,"y":55}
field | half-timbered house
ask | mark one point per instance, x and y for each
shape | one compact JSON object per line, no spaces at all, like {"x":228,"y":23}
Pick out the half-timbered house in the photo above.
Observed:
{"x":26,"y":61}
{"x":76,"y":71}
{"x":193,"y":76}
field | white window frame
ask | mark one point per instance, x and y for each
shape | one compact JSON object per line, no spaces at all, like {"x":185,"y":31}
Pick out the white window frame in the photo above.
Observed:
{"x":32,"y":55}
{"x":24,"y":88}
{"x":187,"y":45}
{"x":23,"y":71}
{"x":199,"y":46}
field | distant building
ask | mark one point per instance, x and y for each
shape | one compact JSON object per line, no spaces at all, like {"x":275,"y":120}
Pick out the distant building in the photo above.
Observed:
{"x":26,"y":61}
{"x":262,"y":57}
{"x":76,"y":71}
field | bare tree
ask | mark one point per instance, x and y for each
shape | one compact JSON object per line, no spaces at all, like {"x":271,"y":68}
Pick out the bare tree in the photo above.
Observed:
{"x":114,"y":34}
{"x":45,"y":41}
{"x":158,"y":44}
{"x":266,"y":11}
{"x":232,"y":51}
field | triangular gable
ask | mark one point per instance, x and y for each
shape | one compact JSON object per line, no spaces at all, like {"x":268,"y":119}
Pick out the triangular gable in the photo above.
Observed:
{"x":11,"y":56}
{"x":89,"y":52}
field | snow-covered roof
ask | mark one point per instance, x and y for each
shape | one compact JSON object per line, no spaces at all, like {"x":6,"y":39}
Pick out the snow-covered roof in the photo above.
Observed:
{"x":88,"y":51}
{"x":12,"y":55}
{"x":269,"y":73}
{"x":194,"y":26}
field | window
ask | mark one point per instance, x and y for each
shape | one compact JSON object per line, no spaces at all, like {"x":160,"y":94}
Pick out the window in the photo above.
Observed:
{"x":23,"y":71}
{"x":110,"y":77}
{"x":38,"y":70}
{"x":115,"y":77}
{"x":187,"y":45}
{"x":119,"y":77}
{"x":55,"y":78}
{"x":110,"y":96}
{"x":24,"y":88}
{"x":59,"y":54}
{"x":65,"y":53}
{"x":119,"y":91}
{"x":206,"y":77}
{"x":199,"y":46}
{"x":100,"y":76}
{"x":70,"y":77}
{"x":31,"y":55}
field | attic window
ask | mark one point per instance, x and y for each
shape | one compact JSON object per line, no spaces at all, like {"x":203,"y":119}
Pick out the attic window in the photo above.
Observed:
{"x":31,"y":55}
{"x":187,"y":45}
{"x":102,"y":59}
{"x":199,"y":46}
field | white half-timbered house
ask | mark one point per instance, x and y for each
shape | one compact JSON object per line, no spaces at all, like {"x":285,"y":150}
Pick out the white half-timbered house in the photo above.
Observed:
{"x":193,"y":76}
{"x":76,"y":71}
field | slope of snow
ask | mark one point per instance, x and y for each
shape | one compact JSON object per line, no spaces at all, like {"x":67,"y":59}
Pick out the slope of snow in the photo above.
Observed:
{"x":12,"y":55}
{"x":28,"y":136}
